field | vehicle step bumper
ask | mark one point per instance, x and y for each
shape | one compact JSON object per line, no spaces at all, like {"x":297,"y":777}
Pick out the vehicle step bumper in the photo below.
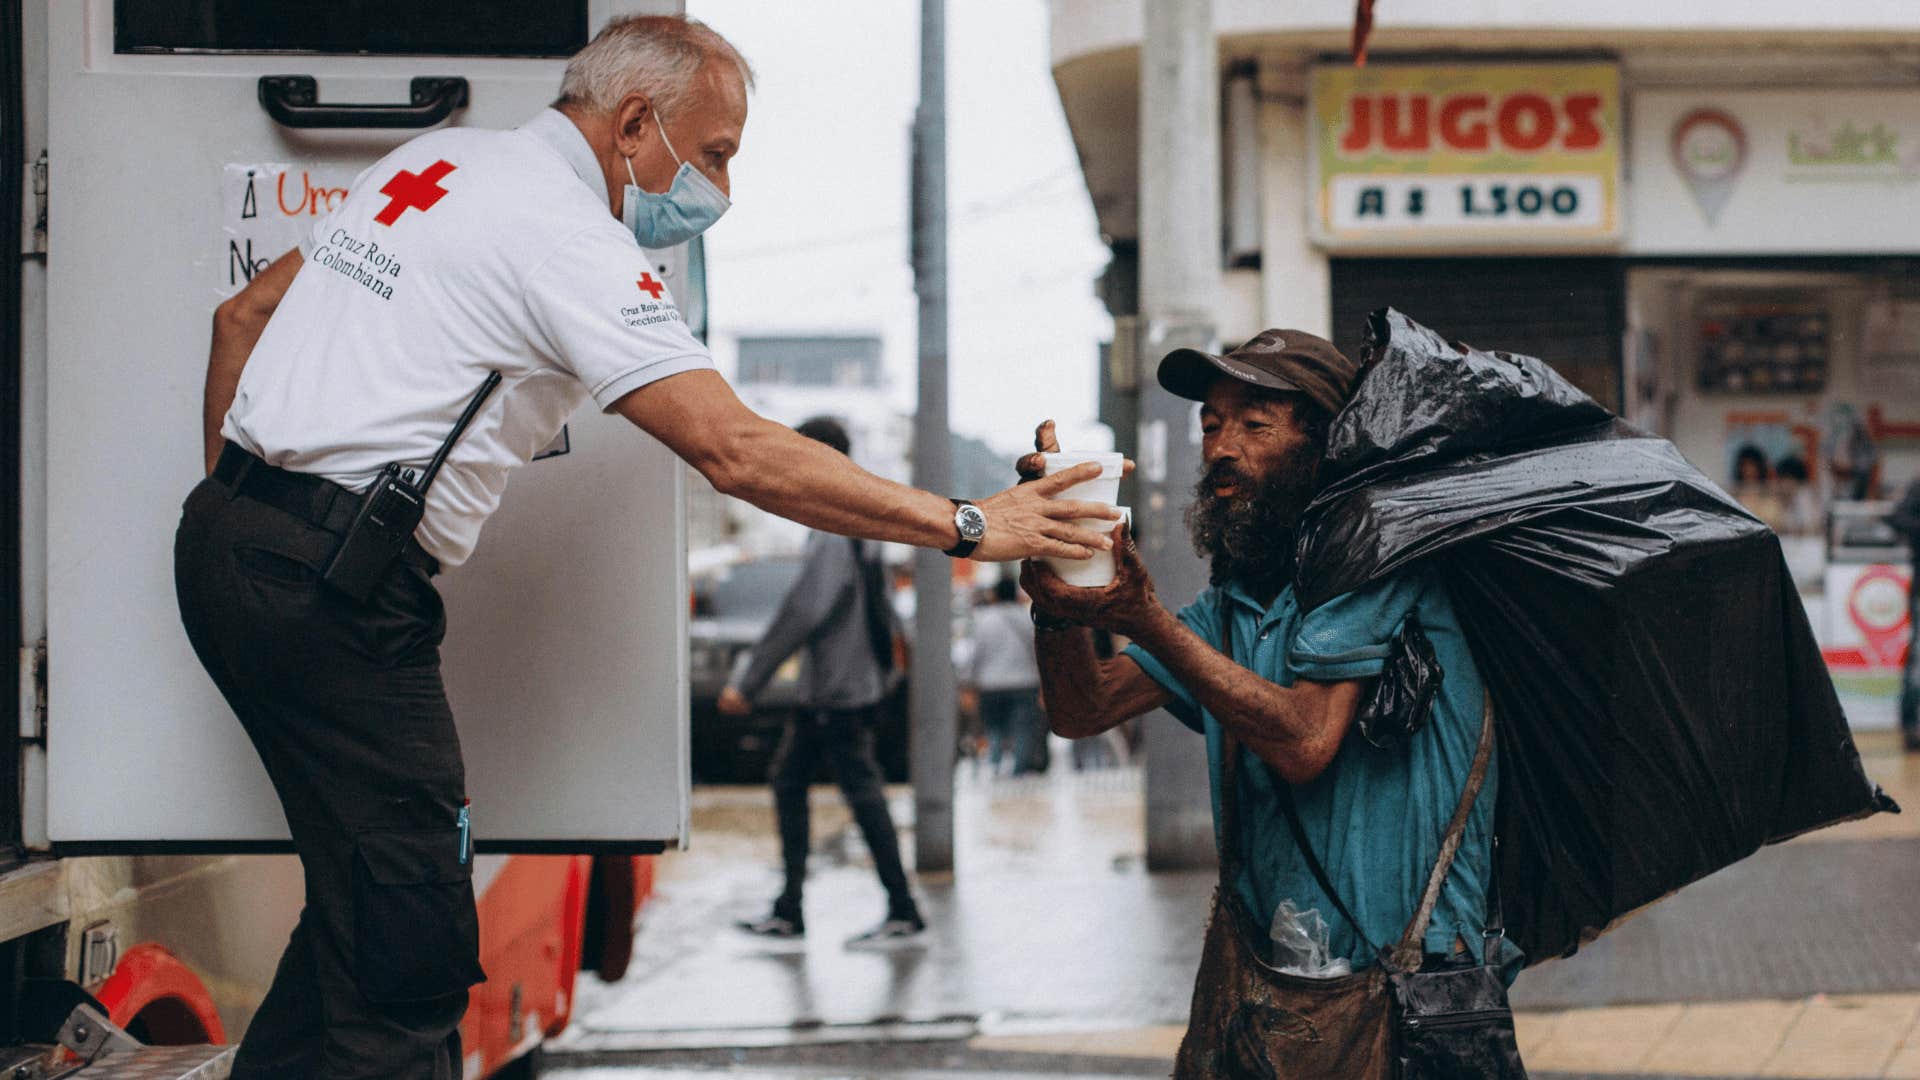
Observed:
{"x":160,"y":1063}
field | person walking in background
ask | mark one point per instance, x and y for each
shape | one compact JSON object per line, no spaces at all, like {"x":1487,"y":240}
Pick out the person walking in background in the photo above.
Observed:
{"x":1006,"y":675}
{"x":1906,"y":519}
{"x":840,"y":612}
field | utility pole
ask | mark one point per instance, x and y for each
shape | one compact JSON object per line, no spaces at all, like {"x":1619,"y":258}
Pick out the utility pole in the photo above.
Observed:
{"x":932,"y":686}
{"x":1180,"y":254}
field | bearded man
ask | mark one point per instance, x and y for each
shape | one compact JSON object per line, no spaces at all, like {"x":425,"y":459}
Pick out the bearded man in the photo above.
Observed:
{"x":1247,"y":668}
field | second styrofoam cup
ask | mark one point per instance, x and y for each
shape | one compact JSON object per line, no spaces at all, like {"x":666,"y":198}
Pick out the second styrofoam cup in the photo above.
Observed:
{"x":1094,"y":572}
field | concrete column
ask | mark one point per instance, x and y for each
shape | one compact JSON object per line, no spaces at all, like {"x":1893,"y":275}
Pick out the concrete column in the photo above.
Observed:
{"x":1180,"y":254}
{"x":931,"y":685}
{"x":1294,"y":286}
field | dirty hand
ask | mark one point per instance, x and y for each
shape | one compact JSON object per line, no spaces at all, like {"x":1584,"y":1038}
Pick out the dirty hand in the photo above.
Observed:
{"x":733,"y":703}
{"x":1125,"y":606}
{"x":1047,"y":441}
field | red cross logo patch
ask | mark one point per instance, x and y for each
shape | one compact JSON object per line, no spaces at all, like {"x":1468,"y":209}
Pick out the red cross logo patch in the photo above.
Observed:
{"x":650,"y":286}
{"x":411,"y":191}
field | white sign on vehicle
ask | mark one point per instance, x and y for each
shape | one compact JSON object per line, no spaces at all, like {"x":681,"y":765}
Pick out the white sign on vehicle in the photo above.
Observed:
{"x":266,"y":209}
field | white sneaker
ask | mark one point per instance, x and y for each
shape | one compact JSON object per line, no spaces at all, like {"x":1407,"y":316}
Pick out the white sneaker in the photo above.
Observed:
{"x":892,"y":934}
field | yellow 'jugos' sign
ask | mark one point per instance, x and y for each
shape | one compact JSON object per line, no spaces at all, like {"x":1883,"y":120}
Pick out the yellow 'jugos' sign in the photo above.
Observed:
{"x":1487,"y":155}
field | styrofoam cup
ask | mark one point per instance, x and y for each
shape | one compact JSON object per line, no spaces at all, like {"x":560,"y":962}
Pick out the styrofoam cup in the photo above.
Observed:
{"x":1104,"y":489}
{"x":1097,"y":571}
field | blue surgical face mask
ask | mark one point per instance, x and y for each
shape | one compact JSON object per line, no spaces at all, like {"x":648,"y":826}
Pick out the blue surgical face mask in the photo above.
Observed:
{"x":688,"y":207}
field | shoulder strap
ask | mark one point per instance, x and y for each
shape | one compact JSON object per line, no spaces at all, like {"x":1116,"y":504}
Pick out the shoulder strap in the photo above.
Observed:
{"x":1405,"y":955}
{"x":1300,"y":840}
{"x":876,"y":608}
{"x":1230,"y":854}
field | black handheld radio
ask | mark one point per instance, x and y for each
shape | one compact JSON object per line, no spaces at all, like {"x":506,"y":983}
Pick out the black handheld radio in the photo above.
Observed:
{"x":389,"y":512}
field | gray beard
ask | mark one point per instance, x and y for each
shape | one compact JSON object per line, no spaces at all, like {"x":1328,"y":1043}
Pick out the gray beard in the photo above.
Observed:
{"x":1250,"y":539}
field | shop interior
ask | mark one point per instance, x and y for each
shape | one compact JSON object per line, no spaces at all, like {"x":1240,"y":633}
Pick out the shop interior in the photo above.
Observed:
{"x":1795,"y":384}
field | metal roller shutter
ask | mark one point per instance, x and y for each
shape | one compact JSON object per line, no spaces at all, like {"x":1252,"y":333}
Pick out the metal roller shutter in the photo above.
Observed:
{"x":1568,"y":312}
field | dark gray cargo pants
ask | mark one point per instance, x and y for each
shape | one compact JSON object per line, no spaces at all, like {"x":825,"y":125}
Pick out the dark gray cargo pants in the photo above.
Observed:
{"x":345,"y":705}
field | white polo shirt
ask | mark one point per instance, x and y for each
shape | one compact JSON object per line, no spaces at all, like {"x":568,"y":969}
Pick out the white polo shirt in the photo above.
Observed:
{"x":462,"y":252}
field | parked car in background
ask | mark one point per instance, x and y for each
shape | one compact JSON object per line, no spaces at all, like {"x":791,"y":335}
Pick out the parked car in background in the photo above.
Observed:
{"x":732,"y":607}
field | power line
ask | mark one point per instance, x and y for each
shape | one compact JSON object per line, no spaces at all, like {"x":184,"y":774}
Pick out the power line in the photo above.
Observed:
{"x":972,"y":213}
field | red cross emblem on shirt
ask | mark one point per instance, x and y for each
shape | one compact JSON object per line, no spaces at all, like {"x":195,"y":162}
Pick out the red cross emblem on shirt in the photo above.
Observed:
{"x":411,"y":191}
{"x":650,"y":286}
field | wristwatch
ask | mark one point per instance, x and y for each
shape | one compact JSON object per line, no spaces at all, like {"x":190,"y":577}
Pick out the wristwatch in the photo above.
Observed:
{"x":972,"y":524}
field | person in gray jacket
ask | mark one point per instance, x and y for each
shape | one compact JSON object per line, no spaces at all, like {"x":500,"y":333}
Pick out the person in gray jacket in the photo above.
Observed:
{"x":1003,"y":670}
{"x":838,"y":611}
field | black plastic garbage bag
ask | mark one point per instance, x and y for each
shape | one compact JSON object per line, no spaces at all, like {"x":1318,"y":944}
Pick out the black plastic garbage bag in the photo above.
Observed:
{"x":1664,"y":710}
{"x":1400,"y":701}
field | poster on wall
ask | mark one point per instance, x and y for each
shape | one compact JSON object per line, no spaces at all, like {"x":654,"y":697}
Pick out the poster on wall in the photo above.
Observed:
{"x":1763,"y":171}
{"x":1772,"y":465}
{"x":1756,"y":346}
{"x":1467,"y":156}
{"x":1891,"y":348}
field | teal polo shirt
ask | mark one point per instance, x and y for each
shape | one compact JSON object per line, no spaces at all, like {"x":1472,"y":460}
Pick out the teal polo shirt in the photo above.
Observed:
{"x":1375,"y":817}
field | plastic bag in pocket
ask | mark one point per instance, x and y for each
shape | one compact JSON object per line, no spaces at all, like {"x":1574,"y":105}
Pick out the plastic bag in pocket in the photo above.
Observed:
{"x":1300,"y":944}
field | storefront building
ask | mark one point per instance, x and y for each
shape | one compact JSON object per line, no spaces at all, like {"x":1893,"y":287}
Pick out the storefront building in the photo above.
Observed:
{"x":1712,"y":227}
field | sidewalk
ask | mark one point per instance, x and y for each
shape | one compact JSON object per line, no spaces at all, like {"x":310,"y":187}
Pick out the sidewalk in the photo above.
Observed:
{"x":1054,"y":952}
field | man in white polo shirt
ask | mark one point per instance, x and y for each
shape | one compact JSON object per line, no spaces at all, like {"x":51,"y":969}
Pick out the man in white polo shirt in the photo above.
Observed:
{"x":333,"y":380}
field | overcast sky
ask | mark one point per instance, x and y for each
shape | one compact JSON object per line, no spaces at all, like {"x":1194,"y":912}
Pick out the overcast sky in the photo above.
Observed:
{"x":816,"y":239}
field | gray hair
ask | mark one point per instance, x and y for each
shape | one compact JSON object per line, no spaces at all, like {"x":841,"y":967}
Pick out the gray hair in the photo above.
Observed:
{"x":655,"y":55}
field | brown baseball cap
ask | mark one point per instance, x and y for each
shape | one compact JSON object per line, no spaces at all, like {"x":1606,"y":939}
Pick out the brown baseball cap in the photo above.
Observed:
{"x":1289,"y":360}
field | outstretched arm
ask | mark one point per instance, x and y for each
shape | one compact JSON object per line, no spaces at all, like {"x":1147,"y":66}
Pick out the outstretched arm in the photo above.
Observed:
{"x":1297,"y":729}
{"x":697,"y":415}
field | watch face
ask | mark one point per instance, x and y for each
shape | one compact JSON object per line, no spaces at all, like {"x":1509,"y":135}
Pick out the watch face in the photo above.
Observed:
{"x":972,"y":523}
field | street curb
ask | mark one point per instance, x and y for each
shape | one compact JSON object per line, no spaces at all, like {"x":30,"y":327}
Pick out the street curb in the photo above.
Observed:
{"x":945,"y":1055}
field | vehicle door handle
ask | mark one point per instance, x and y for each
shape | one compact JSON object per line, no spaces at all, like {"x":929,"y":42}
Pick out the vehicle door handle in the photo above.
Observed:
{"x":294,"y":101}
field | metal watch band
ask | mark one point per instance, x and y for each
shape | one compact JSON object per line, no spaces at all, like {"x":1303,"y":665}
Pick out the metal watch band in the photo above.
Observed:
{"x":965,"y":547}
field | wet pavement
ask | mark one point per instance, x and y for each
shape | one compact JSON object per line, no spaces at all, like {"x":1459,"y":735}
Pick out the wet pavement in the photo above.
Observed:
{"x":1049,"y":881}
{"x":1053,"y":952}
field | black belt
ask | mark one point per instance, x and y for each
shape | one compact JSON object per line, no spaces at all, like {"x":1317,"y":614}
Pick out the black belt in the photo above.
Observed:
{"x":313,"y":499}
